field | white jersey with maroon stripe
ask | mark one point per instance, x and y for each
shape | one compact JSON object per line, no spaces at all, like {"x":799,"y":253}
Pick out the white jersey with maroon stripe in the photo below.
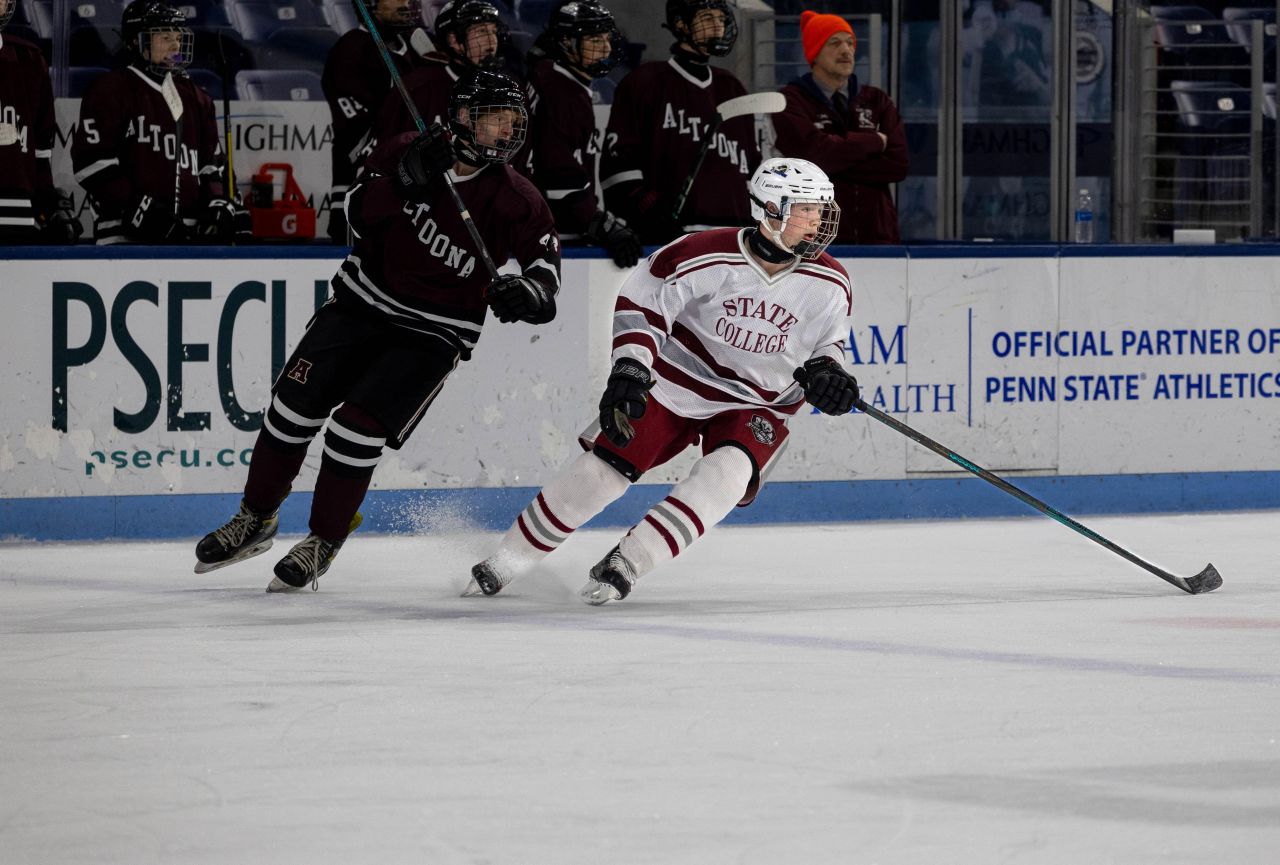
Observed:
{"x":720,"y":333}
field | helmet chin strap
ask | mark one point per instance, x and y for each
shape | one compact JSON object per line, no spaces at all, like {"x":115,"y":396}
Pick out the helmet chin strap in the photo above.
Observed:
{"x":767,"y":243}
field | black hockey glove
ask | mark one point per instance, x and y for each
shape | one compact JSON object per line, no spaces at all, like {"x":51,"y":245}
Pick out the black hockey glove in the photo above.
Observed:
{"x":612,"y":233}
{"x":625,"y":397}
{"x":58,"y":220}
{"x":827,"y":387}
{"x":225,"y":220}
{"x":519,"y":298}
{"x":421,"y":170}
{"x":148,"y":221}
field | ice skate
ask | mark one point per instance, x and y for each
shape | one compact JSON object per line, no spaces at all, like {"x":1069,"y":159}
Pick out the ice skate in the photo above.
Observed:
{"x":611,"y":579}
{"x":248,"y":534}
{"x":485,"y":580}
{"x":309,"y":559}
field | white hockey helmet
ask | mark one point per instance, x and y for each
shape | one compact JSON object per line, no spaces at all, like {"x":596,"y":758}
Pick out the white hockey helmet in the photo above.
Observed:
{"x":780,"y":183}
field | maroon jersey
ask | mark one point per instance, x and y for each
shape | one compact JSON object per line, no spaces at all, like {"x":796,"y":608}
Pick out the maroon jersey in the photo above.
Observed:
{"x":27,"y":130}
{"x":355,"y":83}
{"x":845,"y":145}
{"x":660,"y":113}
{"x":128,"y":145}
{"x":429,"y":86}
{"x":416,"y":263}
{"x":563,"y":145}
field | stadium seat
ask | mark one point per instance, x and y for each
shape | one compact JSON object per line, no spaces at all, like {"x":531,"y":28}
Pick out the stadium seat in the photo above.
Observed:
{"x":80,"y":77}
{"x":207,"y":80}
{"x":213,"y":43}
{"x":1238,"y":20}
{"x":342,"y":17}
{"x":36,"y":16}
{"x":96,"y":13}
{"x":1209,"y":107}
{"x":256,"y":21}
{"x":1194,"y":44}
{"x":205,"y":13}
{"x":89,"y":45}
{"x":296,"y":48}
{"x":296,"y":85}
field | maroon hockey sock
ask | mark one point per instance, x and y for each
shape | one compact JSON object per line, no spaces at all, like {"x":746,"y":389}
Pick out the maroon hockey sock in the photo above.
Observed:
{"x":353,"y":444}
{"x":272,"y":469}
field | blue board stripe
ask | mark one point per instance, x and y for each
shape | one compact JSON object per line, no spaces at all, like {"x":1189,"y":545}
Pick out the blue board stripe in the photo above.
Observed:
{"x":154,"y":517}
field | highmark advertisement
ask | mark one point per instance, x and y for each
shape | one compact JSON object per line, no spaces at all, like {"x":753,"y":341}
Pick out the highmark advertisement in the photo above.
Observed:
{"x":131,"y":377}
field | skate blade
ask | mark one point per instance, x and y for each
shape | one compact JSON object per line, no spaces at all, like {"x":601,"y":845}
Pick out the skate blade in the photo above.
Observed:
{"x":204,"y":568}
{"x":279,"y":586}
{"x":596,"y":593}
{"x":473,"y":590}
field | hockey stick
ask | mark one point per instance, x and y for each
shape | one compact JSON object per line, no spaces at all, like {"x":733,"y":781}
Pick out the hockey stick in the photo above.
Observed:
{"x":224,"y":72}
{"x":1205,"y":581}
{"x":422,"y":127}
{"x":769,"y":102}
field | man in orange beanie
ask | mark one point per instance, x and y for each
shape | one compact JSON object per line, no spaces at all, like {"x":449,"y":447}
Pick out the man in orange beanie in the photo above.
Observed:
{"x":852,"y":132}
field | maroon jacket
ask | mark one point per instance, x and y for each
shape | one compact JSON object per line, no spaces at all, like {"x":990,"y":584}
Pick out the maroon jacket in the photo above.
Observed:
{"x":850,"y":152}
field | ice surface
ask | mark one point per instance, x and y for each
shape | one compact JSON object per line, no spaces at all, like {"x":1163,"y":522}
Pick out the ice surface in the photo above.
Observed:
{"x":936,"y":693}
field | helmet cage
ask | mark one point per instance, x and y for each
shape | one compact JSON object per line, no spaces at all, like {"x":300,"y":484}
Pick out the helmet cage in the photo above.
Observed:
{"x":459,"y":20}
{"x":778,"y":186}
{"x":685,"y":12}
{"x":578,"y":19}
{"x":176,"y":62}
{"x":479,"y":136}
{"x":10,"y":7}
{"x":406,"y":18}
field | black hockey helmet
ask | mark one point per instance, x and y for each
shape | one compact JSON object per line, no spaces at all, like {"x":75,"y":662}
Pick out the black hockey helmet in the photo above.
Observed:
{"x":457,"y":18}
{"x":403,"y":15}
{"x":487,"y":116}
{"x":575,"y":19}
{"x":680,"y":21}
{"x":7,"y":8}
{"x":145,"y":19}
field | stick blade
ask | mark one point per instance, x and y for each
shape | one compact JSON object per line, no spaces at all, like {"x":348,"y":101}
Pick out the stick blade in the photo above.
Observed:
{"x":769,"y":102}
{"x":1205,"y":581}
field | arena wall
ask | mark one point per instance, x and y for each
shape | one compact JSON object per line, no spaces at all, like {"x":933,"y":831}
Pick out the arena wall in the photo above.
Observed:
{"x":1102,"y":380}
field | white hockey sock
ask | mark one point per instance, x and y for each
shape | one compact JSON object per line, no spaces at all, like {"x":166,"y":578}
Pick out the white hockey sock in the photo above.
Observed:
{"x":716,"y":484}
{"x":584,"y":487}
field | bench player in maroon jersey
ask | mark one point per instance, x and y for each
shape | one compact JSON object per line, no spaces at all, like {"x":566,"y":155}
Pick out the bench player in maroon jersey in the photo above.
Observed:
{"x":659,"y":116}
{"x":147,"y":148}
{"x":408,"y":305}
{"x":581,"y":43}
{"x":32,"y":210}
{"x":709,"y":337}
{"x":355,"y":82}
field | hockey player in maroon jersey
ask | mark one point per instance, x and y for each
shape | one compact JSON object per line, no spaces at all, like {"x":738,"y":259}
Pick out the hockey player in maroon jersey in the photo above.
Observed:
{"x":355,"y":82}
{"x":408,"y":304}
{"x":853,"y":131}
{"x":147,"y":148}
{"x":709,"y":339}
{"x":660,"y":112}
{"x":581,"y":43}
{"x":31,"y":209}
{"x":469,"y":34}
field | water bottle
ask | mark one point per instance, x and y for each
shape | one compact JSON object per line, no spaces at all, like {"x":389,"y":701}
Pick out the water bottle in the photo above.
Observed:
{"x":1084,"y":217}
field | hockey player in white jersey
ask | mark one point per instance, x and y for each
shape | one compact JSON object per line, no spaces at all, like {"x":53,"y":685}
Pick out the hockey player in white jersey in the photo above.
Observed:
{"x":710,"y":339}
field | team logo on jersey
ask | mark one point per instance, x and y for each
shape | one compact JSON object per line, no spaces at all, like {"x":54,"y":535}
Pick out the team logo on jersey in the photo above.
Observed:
{"x":300,"y":370}
{"x":762,"y":429}
{"x":865,"y":120}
